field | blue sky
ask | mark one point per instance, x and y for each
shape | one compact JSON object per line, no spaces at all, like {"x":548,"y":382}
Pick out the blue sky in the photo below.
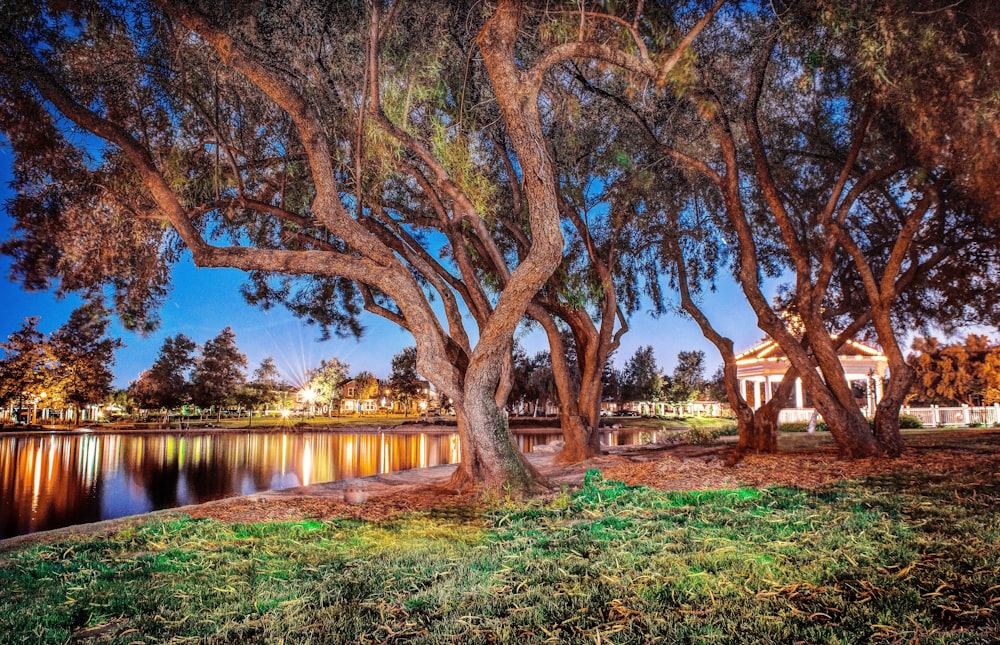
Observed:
{"x":204,"y":301}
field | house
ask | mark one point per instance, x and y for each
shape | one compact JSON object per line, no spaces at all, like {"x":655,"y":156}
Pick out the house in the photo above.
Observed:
{"x":355,"y":400}
{"x":761,"y":369}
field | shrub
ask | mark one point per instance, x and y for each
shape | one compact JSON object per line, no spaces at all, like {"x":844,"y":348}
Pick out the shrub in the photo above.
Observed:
{"x":910,"y":421}
{"x":801,"y":426}
{"x":702,"y":436}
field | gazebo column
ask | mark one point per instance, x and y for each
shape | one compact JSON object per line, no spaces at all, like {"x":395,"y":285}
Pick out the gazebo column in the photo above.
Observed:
{"x":759,"y":394}
{"x":768,"y":392}
{"x":878,"y":389}
{"x":800,"y":399}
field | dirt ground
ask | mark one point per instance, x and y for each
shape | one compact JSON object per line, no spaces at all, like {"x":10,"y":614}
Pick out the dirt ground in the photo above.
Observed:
{"x":678,"y":467}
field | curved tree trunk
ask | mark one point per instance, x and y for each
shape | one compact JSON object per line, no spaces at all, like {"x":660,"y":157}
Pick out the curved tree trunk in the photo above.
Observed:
{"x":887,"y":412}
{"x":490,"y":457}
{"x":579,"y":436}
{"x":764,"y":438}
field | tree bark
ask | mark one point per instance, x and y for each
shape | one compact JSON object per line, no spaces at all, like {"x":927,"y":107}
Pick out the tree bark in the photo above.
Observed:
{"x":765,"y":421}
{"x":577,"y":434}
{"x":490,"y":457}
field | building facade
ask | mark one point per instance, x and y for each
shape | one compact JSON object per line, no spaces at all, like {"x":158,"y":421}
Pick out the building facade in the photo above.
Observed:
{"x":762,"y":368}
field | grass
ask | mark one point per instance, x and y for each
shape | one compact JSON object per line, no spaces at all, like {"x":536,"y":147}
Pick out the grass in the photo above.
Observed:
{"x":902,"y":558}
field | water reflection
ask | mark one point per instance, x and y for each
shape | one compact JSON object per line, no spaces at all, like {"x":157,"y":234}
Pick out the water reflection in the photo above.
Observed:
{"x":526,"y":441}
{"x":49,"y":481}
{"x":59,"y":480}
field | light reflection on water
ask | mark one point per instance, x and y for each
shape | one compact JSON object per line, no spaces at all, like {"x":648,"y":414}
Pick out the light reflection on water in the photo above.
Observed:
{"x":49,"y":481}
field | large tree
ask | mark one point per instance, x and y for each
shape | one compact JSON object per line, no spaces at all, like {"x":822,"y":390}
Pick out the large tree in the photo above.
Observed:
{"x":84,"y":357}
{"x":776,"y":162}
{"x":325,"y":150}
{"x":165,"y":384}
{"x":24,"y":365}
{"x":218,"y":372}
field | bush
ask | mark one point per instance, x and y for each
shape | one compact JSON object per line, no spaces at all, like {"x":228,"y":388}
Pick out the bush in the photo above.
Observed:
{"x":702,"y":436}
{"x":801,"y":426}
{"x":909,"y":421}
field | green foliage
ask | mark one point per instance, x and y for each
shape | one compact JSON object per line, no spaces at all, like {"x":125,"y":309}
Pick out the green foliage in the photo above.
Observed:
{"x":688,"y":379}
{"x":705,"y":435}
{"x":801,"y":426}
{"x":327,"y":380}
{"x":642,"y":379}
{"x":165,"y":384}
{"x":909,"y":422}
{"x":218,"y":372}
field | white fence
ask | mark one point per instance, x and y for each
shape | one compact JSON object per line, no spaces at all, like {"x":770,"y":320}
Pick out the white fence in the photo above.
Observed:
{"x":966,"y":415}
{"x":932,"y":417}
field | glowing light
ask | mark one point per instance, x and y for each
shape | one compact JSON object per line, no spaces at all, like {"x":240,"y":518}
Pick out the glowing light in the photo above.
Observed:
{"x":307,"y":463}
{"x":285,"y":414}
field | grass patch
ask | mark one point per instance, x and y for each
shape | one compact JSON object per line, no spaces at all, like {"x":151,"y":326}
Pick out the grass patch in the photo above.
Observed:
{"x":900,"y":558}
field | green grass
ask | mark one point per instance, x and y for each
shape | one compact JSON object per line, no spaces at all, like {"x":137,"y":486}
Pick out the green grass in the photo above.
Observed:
{"x":902,"y":558}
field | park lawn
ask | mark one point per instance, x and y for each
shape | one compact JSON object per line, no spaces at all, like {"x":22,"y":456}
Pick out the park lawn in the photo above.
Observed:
{"x":899,"y":558}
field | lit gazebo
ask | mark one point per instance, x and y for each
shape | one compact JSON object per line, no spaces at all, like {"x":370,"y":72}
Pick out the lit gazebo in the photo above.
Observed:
{"x":761,"y":369}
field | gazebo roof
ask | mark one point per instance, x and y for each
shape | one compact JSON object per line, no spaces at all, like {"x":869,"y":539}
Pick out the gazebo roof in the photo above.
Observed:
{"x":766,"y":359}
{"x":768,"y":349}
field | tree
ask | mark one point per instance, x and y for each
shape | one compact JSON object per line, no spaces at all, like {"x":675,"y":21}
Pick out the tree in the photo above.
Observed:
{"x":904,"y":51}
{"x":218,"y":372}
{"x":404,"y":381}
{"x":326,"y":380}
{"x":261,"y":388}
{"x":25,"y":365}
{"x":768,"y":177}
{"x":963,"y":373}
{"x":322,"y":149}
{"x":688,"y":379}
{"x":83,"y":357}
{"x":642,"y":380}
{"x":165,"y":384}
{"x":715,"y":388}
{"x":122,"y":399}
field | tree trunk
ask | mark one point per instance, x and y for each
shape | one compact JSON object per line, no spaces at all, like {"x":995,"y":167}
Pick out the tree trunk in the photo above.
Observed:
{"x":581,"y":439}
{"x":850,"y":430}
{"x":764,"y":439}
{"x":490,"y":456}
{"x":887,"y":412}
{"x":578,"y":436}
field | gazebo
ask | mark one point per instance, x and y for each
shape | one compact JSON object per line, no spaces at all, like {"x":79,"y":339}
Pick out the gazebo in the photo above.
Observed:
{"x":761,"y":369}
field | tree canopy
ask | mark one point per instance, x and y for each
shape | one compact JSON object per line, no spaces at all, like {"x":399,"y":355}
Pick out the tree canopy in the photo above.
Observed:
{"x":965,"y":373}
{"x":329,"y":152}
{"x":165,"y":384}
{"x":456,"y":166}
{"x":218,"y":372}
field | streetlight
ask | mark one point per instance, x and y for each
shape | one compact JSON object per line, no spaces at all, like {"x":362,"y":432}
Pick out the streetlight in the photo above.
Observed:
{"x":309,"y":396}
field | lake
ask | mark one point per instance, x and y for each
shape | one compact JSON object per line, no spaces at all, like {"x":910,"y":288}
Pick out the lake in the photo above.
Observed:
{"x":60,"y":479}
